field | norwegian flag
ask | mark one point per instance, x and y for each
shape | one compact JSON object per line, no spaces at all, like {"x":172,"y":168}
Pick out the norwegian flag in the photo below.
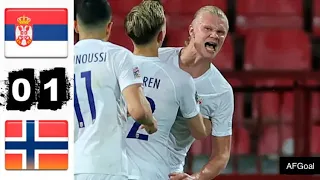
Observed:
{"x":36,"y":144}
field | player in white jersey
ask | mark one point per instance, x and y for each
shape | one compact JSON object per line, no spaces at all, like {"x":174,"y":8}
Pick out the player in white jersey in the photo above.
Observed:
{"x":169,"y":90}
{"x":207,"y":33}
{"x":104,"y":73}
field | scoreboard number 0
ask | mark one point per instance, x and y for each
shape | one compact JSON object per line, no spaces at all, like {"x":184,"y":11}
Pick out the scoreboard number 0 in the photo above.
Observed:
{"x":26,"y":90}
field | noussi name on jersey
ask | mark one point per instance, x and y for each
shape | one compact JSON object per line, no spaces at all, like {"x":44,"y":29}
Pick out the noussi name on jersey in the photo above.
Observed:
{"x":151,"y":82}
{"x":90,"y":58}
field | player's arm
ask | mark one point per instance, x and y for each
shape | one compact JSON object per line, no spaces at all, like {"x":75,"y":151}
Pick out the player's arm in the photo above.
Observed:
{"x":221,"y":140}
{"x":199,"y":127}
{"x":130,"y":84}
{"x":138,"y":107}
{"x":190,"y":110}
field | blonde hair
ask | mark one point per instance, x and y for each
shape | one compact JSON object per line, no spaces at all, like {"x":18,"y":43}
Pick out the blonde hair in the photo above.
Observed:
{"x":214,"y":10}
{"x":144,"y":21}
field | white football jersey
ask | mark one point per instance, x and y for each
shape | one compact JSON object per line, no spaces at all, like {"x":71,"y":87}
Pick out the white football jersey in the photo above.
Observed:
{"x":102,"y":71}
{"x":169,"y":90}
{"x":216,"y":103}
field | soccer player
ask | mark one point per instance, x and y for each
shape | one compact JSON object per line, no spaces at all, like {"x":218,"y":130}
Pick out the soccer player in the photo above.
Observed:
{"x":104,"y":72}
{"x":169,"y":90}
{"x":207,"y":33}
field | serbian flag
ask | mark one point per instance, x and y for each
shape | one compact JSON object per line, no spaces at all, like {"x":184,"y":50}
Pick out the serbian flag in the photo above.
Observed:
{"x":36,"y":32}
{"x":36,"y":145}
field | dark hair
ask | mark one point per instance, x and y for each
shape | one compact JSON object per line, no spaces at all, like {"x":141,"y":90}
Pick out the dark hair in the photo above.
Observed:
{"x":75,"y":4}
{"x":93,"y":12}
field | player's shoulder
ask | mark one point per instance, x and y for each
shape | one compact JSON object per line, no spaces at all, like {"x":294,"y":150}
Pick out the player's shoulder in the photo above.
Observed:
{"x":215,"y":91}
{"x":117,"y":54}
{"x":223,"y":89}
{"x":163,"y":50}
{"x":169,"y":56}
{"x":218,"y":82}
{"x":179,"y":77}
{"x":167,"y":53}
{"x":222,"y":81}
{"x":116,"y":49}
{"x":101,"y":46}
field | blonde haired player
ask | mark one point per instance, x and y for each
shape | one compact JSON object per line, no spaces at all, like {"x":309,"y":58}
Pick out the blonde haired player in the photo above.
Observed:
{"x":207,"y":33}
{"x":169,"y":90}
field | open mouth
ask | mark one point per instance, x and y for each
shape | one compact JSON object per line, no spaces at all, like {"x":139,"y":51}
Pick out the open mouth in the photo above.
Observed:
{"x":212,"y":46}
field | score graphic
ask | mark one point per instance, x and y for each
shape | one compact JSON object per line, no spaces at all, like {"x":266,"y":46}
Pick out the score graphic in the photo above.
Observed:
{"x":50,"y":92}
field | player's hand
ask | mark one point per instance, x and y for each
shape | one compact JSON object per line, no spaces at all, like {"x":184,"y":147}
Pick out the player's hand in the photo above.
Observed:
{"x":151,"y":128}
{"x":180,"y":176}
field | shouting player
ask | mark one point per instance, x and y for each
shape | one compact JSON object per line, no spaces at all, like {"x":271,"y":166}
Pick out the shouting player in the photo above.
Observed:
{"x":169,"y":90}
{"x":104,"y":72}
{"x":207,"y":33}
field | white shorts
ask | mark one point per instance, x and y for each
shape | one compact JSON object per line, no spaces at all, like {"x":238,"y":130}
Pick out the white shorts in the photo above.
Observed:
{"x":98,"y":177}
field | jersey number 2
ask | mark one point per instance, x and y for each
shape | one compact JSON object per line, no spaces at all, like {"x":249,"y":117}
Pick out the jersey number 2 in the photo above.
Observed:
{"x":87,"y":77}
{"x":133,"y":131}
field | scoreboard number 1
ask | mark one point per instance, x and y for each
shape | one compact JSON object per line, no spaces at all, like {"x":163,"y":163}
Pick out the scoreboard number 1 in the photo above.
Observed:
{"x":53,"y":86}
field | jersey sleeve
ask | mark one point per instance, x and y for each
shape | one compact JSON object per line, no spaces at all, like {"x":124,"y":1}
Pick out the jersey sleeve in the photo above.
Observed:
{"x":188,"y":99}
{"x":222,"y":118}
{"x":126,"y":71}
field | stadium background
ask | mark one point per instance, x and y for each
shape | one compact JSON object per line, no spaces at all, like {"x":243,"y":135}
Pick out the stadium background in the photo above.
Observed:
{"x":272,"y":59}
